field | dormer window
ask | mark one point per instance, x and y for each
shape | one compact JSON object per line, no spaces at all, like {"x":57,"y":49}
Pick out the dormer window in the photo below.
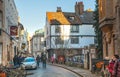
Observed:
{"x":71,"y":18}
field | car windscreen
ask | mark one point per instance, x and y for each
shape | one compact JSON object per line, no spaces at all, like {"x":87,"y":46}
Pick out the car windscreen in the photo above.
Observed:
{"x":29,"y":60}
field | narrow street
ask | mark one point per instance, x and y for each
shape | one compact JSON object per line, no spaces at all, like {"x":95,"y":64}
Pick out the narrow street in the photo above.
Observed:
{"x":51,"y":71}
{"x":77,"y":38}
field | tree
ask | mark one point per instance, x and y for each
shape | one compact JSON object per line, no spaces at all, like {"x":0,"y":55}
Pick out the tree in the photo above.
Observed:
{"x":98,"y":32}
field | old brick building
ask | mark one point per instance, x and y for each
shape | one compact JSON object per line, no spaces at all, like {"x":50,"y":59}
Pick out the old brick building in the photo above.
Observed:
{"x":8,"y":18}
{"x":109,"y":19}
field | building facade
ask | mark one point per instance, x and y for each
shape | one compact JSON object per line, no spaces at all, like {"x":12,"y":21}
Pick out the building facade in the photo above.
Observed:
{"x":37,"y":43}
{"x":21,"y":44}
{"x":24,"y":41}
{"x":1,"y":26}
{"x":87,"y":19}
{"x":109,"y":19}
{"x":8,"y":18}
{"x":66,"y":35}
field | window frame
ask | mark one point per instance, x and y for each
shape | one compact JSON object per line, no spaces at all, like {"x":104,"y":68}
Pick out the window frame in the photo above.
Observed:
{"x":57,"y":29}
{"x":74,"y":28}
{"x":58,"y":40}
{"x":74,"y":40}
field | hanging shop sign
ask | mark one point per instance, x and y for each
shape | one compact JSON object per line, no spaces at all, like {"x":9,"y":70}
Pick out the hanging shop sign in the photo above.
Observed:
{"x":13,"y":30}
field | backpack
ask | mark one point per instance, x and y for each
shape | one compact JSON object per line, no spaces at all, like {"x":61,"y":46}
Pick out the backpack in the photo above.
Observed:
{"x":44,"y":58}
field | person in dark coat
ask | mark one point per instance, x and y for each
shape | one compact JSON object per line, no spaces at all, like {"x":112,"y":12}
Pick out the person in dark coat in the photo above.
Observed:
{"x":44,"y":58}
{"x":38,"y":60}
{"x":15,"y":60}
{"x":20,"y":59}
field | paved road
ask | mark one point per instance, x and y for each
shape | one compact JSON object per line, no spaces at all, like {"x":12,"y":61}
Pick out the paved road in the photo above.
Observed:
{"x":51,"y":71}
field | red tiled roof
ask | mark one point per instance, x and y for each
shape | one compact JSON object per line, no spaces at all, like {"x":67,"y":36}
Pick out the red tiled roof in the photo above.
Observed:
{"x":57,"y":18}
{"x":62,"y":18}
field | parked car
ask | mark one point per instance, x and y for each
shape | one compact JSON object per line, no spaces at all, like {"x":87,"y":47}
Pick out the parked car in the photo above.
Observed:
{"x":29,"y":63}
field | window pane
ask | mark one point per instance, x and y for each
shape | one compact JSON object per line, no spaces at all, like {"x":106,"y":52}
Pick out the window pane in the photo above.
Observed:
{"x":74,"y":40}
{"x":75,"y":29}
{"x":71,"y":18}
{"x":57,"y":29}
{"x":58,"y":40}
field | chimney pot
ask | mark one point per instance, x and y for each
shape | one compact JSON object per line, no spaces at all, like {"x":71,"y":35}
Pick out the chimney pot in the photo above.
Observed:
{"x":59,"y":9}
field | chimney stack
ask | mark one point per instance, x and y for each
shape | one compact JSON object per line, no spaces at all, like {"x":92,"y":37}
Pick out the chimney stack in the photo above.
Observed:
{"x":59,"y":9}
{"x":79,"y":8}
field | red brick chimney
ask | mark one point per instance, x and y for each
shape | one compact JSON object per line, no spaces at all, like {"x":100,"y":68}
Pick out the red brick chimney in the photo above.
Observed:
{"x":79,"y":8}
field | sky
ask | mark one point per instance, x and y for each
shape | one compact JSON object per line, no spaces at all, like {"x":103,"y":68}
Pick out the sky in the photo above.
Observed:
{"x":32,"y":13}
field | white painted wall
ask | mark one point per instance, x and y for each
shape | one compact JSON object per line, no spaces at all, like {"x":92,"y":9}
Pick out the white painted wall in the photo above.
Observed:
{"x":86,"y":30}
{"x":47,"y":35}
{"x":11,"y":12}
{"x":83,"y":41}
{"x":38,"y":43}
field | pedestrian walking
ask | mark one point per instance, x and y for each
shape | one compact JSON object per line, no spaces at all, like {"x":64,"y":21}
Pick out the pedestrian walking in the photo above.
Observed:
{"x":93,"y":68}
{"x":44,"y":58}
{"x":38,"y":60}
{"x":20,"y":59}
{"x":52,"y":59}
{"x":15,"y":60}
{"x":116,"y":68}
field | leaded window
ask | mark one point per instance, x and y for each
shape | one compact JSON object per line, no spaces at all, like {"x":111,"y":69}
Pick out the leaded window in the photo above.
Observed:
{"x":74,"y":40}
{"x":57,"y":29}
{"x":74,"y":29}
{"x":58,"y":40}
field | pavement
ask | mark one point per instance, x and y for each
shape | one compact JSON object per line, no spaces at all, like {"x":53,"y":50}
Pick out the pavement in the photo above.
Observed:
{"x":79,"y":71}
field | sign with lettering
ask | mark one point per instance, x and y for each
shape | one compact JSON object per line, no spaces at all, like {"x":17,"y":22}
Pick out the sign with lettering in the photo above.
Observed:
{"x":13,"y":30}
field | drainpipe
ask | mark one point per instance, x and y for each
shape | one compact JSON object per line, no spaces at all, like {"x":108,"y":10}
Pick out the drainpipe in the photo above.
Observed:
{"x":50,"y":43}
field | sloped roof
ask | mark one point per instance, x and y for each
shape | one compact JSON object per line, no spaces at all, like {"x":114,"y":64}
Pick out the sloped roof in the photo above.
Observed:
{"x":62,"y":18}
{"x":56,"y":18}
{"x":76,"y":19}
{"x":87,"y":17}
{"x":21,"y":26}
